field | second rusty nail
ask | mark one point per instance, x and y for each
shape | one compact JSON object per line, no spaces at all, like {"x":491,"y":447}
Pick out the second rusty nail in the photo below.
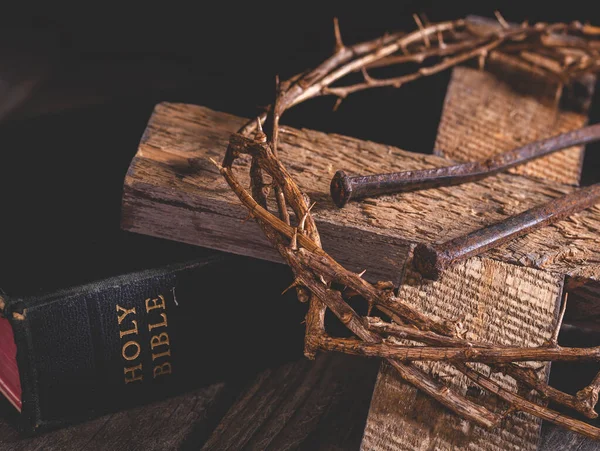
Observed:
{"x":431,"y":260}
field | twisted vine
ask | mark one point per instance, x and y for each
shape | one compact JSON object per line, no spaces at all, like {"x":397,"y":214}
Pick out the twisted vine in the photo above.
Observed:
{"x":572,"y":50}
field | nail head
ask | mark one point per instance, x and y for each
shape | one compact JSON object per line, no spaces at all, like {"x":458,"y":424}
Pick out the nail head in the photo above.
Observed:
{"x":341,"y":189}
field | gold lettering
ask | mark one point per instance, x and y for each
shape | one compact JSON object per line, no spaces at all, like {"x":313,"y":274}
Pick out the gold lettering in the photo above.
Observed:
{"x":155,"y":303}
{"x":126,"y":346}
{"x":124,"y":312}
{"x":162,"y":354}
{"x":130,"y":374}
{"x":164,"y":323}
{"x":159,"y":370}
{"x":159,"y":340}
{"x":134,"y":330}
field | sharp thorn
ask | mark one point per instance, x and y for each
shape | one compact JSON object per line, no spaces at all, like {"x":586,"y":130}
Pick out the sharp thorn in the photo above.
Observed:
{"x":503,"y":23}
{"x":260,"y":135}
{"x":303,"y":220}
{"x":338,"y":102}
{"x":370,"y":307}
{"x":294,"y":284}
{"x":481,"y":60}
{"x":362,"y":273}
{"x":213,"y":161}
{"x":561,"y":315}
{"x":339,"y":44}
{"x":368,"y":79}
{"x":441,"y":43}
{"x":420,"y":25}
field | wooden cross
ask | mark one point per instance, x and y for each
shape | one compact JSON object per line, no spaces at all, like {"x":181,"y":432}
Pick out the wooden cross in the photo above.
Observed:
{"x":510,"y":295}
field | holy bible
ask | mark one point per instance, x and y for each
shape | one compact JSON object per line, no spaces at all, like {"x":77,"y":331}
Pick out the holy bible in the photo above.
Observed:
{"x":126,"y":340}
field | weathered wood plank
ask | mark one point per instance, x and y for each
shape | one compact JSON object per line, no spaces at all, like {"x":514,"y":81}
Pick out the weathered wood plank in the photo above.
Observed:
{"x":165,"y":425}
{"x":173,"y":191}
{"x":496,"y":303}
{"x":510,"y":107}
{"x":555,"y":438}
{"x":303,"y":405}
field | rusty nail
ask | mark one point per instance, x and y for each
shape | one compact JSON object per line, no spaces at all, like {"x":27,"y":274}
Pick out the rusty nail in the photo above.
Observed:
{"x":345,"y":188}
{"x":431,"y":260}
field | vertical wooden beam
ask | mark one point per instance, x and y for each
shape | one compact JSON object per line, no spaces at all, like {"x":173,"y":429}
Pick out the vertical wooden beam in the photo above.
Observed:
{"x":485,"y":112}
{"x":495,"y":302}
{"x":504,"y":107}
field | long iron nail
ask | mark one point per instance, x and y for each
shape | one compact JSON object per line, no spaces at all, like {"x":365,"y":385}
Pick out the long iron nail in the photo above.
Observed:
{"x":345,"y":188}
{"x":431,"y":260}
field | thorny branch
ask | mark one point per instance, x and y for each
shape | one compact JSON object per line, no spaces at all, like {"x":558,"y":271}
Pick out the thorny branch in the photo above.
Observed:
{"x":561,"y":51}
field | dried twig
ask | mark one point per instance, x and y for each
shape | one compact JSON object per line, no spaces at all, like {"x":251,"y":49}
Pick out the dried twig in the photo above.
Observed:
{"x":583,"y":403}
{"x":499,"y":354}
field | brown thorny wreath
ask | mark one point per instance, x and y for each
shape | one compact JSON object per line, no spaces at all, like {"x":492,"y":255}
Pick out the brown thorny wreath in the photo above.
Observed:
{"x":325,"y":284}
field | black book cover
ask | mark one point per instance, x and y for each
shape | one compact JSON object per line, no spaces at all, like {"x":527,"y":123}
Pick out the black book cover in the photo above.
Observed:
{"x":140,"y":337}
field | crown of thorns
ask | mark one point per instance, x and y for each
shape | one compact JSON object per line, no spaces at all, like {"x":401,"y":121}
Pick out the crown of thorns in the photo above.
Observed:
{"x":406,"y":335}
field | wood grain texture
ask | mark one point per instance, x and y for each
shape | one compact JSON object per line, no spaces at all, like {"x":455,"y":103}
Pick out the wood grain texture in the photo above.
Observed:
{"x":305,"y":405}
{"x":496,"y":303}
{"x":192,"y":420}
{"x":555,"y":438}
{"x":173,"y":191}
{"x":509,"y":108}
{"x":165,"y":425}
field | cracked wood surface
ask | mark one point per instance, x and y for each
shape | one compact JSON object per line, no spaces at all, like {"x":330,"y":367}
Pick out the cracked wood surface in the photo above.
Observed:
{"x":173,"y":191}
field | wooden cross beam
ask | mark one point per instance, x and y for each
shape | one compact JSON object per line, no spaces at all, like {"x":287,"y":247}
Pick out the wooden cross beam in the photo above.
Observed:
{"x":173,"y":191}
{"x":510,"y":295}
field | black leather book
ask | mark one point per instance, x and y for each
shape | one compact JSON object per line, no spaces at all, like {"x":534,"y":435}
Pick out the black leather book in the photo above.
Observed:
{"x":140,"y":337}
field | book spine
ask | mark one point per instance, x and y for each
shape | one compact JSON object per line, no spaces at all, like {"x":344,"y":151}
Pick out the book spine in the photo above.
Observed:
{"x":107,"y":346}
